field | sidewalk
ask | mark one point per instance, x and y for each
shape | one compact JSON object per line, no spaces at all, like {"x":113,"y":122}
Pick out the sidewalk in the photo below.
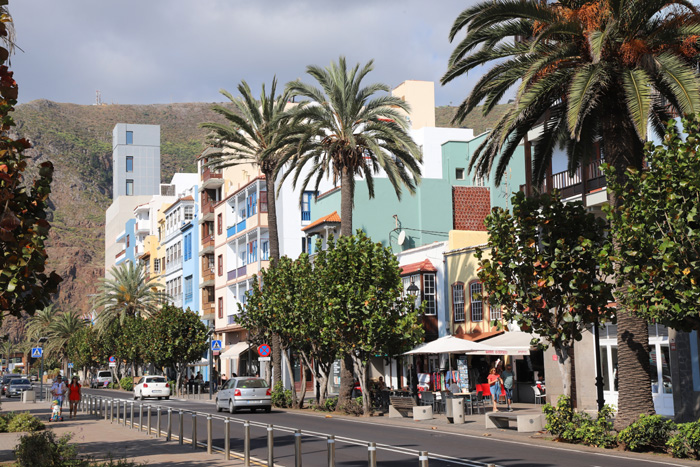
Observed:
{"x":100,"y":439}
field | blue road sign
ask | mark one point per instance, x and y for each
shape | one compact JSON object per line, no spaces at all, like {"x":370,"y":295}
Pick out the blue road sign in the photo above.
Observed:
{"x":112,"y":360}
{"x":216,"y":346}
{"x":37,"y":352}
{"x":70,"y":365}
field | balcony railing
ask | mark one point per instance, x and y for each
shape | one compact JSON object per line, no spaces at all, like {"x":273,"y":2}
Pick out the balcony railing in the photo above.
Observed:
{"x":569,"y":186}
{"x":240,"y":272}
{"x":121,"y":253}
{"x":188,"y":297}
{"x":231,"y":275}
{"x":208,"y":174}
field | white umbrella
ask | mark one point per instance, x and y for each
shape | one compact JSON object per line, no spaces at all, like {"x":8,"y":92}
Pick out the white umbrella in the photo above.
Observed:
{"x":448,"y":344}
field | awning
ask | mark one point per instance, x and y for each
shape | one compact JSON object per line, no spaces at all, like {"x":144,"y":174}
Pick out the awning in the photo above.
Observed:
{"x":235,"y":350}
{"x":202,"y":362}
{"x":448,"y":344}
{"x":508,"y":343}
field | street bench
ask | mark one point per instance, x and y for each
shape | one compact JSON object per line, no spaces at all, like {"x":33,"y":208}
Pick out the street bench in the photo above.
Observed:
{"x":401,"y":406}
{"x":526,"y":422}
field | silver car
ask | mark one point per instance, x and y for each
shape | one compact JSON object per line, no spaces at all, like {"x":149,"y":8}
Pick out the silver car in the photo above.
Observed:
{"x":244,"y":393}
{"x":18,"y":386}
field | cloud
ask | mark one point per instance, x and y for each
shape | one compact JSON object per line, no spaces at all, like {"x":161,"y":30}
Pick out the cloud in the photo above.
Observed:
{"x":161,"y":51}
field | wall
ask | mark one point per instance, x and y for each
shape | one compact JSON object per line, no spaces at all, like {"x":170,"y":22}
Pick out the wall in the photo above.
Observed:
{"x":471,"y":206}
{"x":420,"y":96}
{"x":146,"y":153}
{"x":685,"y":374}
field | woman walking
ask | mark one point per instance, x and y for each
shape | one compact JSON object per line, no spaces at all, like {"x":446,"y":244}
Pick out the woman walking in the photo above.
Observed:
{"x":495,"y":383}
{"x":74,"y":396}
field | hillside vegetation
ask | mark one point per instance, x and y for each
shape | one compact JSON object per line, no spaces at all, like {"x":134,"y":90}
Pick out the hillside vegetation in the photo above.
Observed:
{"x":78,"y":140}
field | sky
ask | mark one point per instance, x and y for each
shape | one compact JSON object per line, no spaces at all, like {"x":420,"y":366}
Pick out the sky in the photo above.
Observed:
{"x":165,"y":51}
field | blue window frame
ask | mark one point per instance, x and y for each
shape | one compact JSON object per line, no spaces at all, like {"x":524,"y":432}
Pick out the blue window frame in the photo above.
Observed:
{"x":306,"y":205}
{"x":129,"y":164}
{"x":252,"y":204}
{"x":252,"y":251}
{"x":188,"y":247}
{"x":129,"y":137}
{"x":129,"y":188}
{"x":188,"y":289}
{"x":265,"y":250}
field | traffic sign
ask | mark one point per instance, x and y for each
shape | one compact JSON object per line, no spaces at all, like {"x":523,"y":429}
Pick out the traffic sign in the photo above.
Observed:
{"x":216,"y":346}
{"x":112,"y":364}
{"x":264,"y":350}
{"x":112,"y":360}
{"x":264,"y":359}
{"x":37,"y":352}
{"x":70,"y":365}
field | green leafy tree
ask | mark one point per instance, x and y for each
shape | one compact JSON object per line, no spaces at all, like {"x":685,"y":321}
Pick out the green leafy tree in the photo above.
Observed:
{"x":351,"y":132}
{"x":658,"y":228}
{"x":25,"y":286}
{"x":127,"y":294}
{"x":256,"y":132}
{"x":587,"y":71}
{"x":84,"y":349}
{"x":543,"y":271}
{"x":361,"y":287}
{"x":176,"y":338}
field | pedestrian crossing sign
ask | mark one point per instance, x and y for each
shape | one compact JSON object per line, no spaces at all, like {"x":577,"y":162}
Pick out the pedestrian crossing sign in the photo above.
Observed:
{"x":37,"y":352}
{"x":216,"y":346}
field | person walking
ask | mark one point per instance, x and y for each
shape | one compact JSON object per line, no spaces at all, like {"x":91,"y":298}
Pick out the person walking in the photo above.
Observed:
{"x":74,"y":396}
{"x":495,"y":386}
{"x":58,"y":390}
{"x":507,"y":377}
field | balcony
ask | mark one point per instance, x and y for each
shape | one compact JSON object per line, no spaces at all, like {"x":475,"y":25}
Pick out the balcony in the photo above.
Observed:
{"x":569,"y":186}
{"x":120,"y":254}
{"x":207,"y":213}
{"x":207,"y":246}
{"x":231,"y":275}
{"x":173,"y":265}
{"x":143,"y":226}
{"x":210,"y":180}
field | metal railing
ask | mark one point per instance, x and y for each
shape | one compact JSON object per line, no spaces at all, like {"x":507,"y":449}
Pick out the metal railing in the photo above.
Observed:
{"x":121,"y":412}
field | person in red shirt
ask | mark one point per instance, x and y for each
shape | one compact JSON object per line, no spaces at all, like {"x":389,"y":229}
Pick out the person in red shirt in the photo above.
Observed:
{"x":495,"y":383}
{"x":74,"y":397}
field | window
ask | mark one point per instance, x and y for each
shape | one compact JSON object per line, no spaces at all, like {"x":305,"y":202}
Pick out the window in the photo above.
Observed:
{"x":459,"y":174}
{"x":221,"y":307}
{"x":210,"y":262}
{"x":475,"y":301}
{"x":252,"y":251}
{"x":252,"y":204}
{"x":189,"y":213}
{"x":478,"y":181}
{"x":129,"y":137}
{"x":188,"y":289}
{"x":129,"y":188}
{"x":306,"y":205}
{"x":219,"y":224}
{"x":458,"y":301}
{"x":429,"y":294}
{"x":306,"y":245}
{"x":127,"y":241}
{"x":265,"y":250}
{"x":129,"y":164}
{"x":263,"y":201}
{"x":407,"y":281}
{"x":156,"y":266}
{"x":495,"y":312}
{"x":221,"y":265}
{"x":188,"y":247}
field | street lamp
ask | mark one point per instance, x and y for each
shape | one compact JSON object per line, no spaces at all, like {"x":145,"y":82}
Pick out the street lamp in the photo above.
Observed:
{"x":413,"y":291}
{"x":42,"y":340}
{"x":210,"y":334}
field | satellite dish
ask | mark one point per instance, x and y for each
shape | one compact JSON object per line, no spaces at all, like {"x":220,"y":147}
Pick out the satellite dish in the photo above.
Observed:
{"x":402,"y":237}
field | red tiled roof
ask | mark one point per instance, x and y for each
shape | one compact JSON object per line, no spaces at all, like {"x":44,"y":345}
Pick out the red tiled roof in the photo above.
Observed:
{"x":186,"y":198}
{"x":423,"y":266}
{"x":330,"y":218}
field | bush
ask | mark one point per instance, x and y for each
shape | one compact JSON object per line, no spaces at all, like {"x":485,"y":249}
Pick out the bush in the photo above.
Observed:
{"x":352,"y":407}
{"x":5,"y":420}
{"x":579,"y":427}
{"x":24,"y":422}
{"x":127,"y":383}
{"x":44,"y":449}
{"x":686,"y":441}
{"x":281,"y":397}
{"x":648,"y":433}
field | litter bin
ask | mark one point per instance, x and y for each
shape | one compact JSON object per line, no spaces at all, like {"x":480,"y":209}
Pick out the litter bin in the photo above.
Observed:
{"x":456,"y":406}
{"x":29,"y":396}
{"x":448,"y":408}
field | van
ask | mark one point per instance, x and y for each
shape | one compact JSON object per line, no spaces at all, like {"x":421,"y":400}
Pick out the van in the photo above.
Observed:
{"x":101,"y":379}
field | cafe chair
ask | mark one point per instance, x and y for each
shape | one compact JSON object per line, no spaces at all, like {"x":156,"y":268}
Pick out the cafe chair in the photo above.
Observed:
{"x":539,"y":397}
{"x":428,"y":398}
{"x":478,"y":403}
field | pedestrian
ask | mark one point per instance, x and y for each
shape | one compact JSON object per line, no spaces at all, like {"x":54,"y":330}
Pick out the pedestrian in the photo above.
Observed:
{"x":74,"y":396}
{"x":58,"y":390}
{"x":507,"y":377}
{"x":223,"y":380}
{"x":495,"y":386}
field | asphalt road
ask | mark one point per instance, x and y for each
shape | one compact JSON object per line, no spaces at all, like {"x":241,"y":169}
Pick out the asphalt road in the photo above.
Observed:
{"x":396,"y":446}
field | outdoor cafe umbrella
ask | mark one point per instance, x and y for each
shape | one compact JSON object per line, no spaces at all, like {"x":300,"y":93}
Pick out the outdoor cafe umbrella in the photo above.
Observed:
{"x":448,"y":344}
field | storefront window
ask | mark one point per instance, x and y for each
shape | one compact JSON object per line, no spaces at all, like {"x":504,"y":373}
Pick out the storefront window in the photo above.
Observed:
{"x":666,"y":370}
{"x":654,"y":372}
{"x":606,"y":369}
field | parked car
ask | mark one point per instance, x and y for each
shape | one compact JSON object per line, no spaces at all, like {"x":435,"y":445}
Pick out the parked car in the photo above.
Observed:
{"x":244,"y":392}
{"x":17,"y":386}
{"x":102,"y":377}
{"x":6,"y":382}
{"x":152,"y":386}
{"x":33,"y":378}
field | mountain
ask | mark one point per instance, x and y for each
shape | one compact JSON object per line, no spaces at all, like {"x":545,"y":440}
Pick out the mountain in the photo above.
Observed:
{"x":78,"y":140}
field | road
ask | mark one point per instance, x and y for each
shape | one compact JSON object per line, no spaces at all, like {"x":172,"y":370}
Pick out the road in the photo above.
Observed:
{"x":396,"y":445}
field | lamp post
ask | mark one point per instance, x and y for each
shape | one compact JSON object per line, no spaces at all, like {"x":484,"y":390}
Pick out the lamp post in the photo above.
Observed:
{"x":413,"y":291}
{"x":211,"y":361}
{"x":42,"y":340}
{"x":598,"y":366}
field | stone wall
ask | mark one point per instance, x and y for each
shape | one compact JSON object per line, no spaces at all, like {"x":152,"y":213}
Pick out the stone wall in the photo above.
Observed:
{"x":471,"y":205}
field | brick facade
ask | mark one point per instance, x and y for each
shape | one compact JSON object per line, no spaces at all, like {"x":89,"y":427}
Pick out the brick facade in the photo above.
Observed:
{"x":470,"y":206}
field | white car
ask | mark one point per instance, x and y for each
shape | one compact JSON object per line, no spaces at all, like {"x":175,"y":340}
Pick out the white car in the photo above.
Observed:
{"x":152,"y":386}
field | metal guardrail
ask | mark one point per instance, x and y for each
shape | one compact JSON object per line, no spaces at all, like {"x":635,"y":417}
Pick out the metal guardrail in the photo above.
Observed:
{"x":104,"y":407}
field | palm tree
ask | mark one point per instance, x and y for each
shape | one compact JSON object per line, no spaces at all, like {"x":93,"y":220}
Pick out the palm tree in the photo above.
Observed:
{"x":351,"y":133}
{"x":348,"y":133}
{"x":63,"y":327}
{"x":8,"y":349}
{"x":40,"y":323}
{"x":587,"y":71}
{"x":127,"y":294}
{"x":257,"y":132}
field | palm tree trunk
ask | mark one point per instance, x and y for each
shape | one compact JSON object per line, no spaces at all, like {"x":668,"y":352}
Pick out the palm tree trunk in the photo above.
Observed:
{"x":347,"y":193}
{"x":274,"y":257}
{"x":622,"y":149}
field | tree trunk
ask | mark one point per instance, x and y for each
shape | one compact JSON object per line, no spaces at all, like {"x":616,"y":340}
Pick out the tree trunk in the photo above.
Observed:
{"x":274,"y":257}
{"x":622,"y":149}
{"x":564,"y":365}
{"x":347,"y":193}
{"x":361,"y":370}
{"x":300,"y":404}
{"x":321,"y":377}
{"x":291,"y":373}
